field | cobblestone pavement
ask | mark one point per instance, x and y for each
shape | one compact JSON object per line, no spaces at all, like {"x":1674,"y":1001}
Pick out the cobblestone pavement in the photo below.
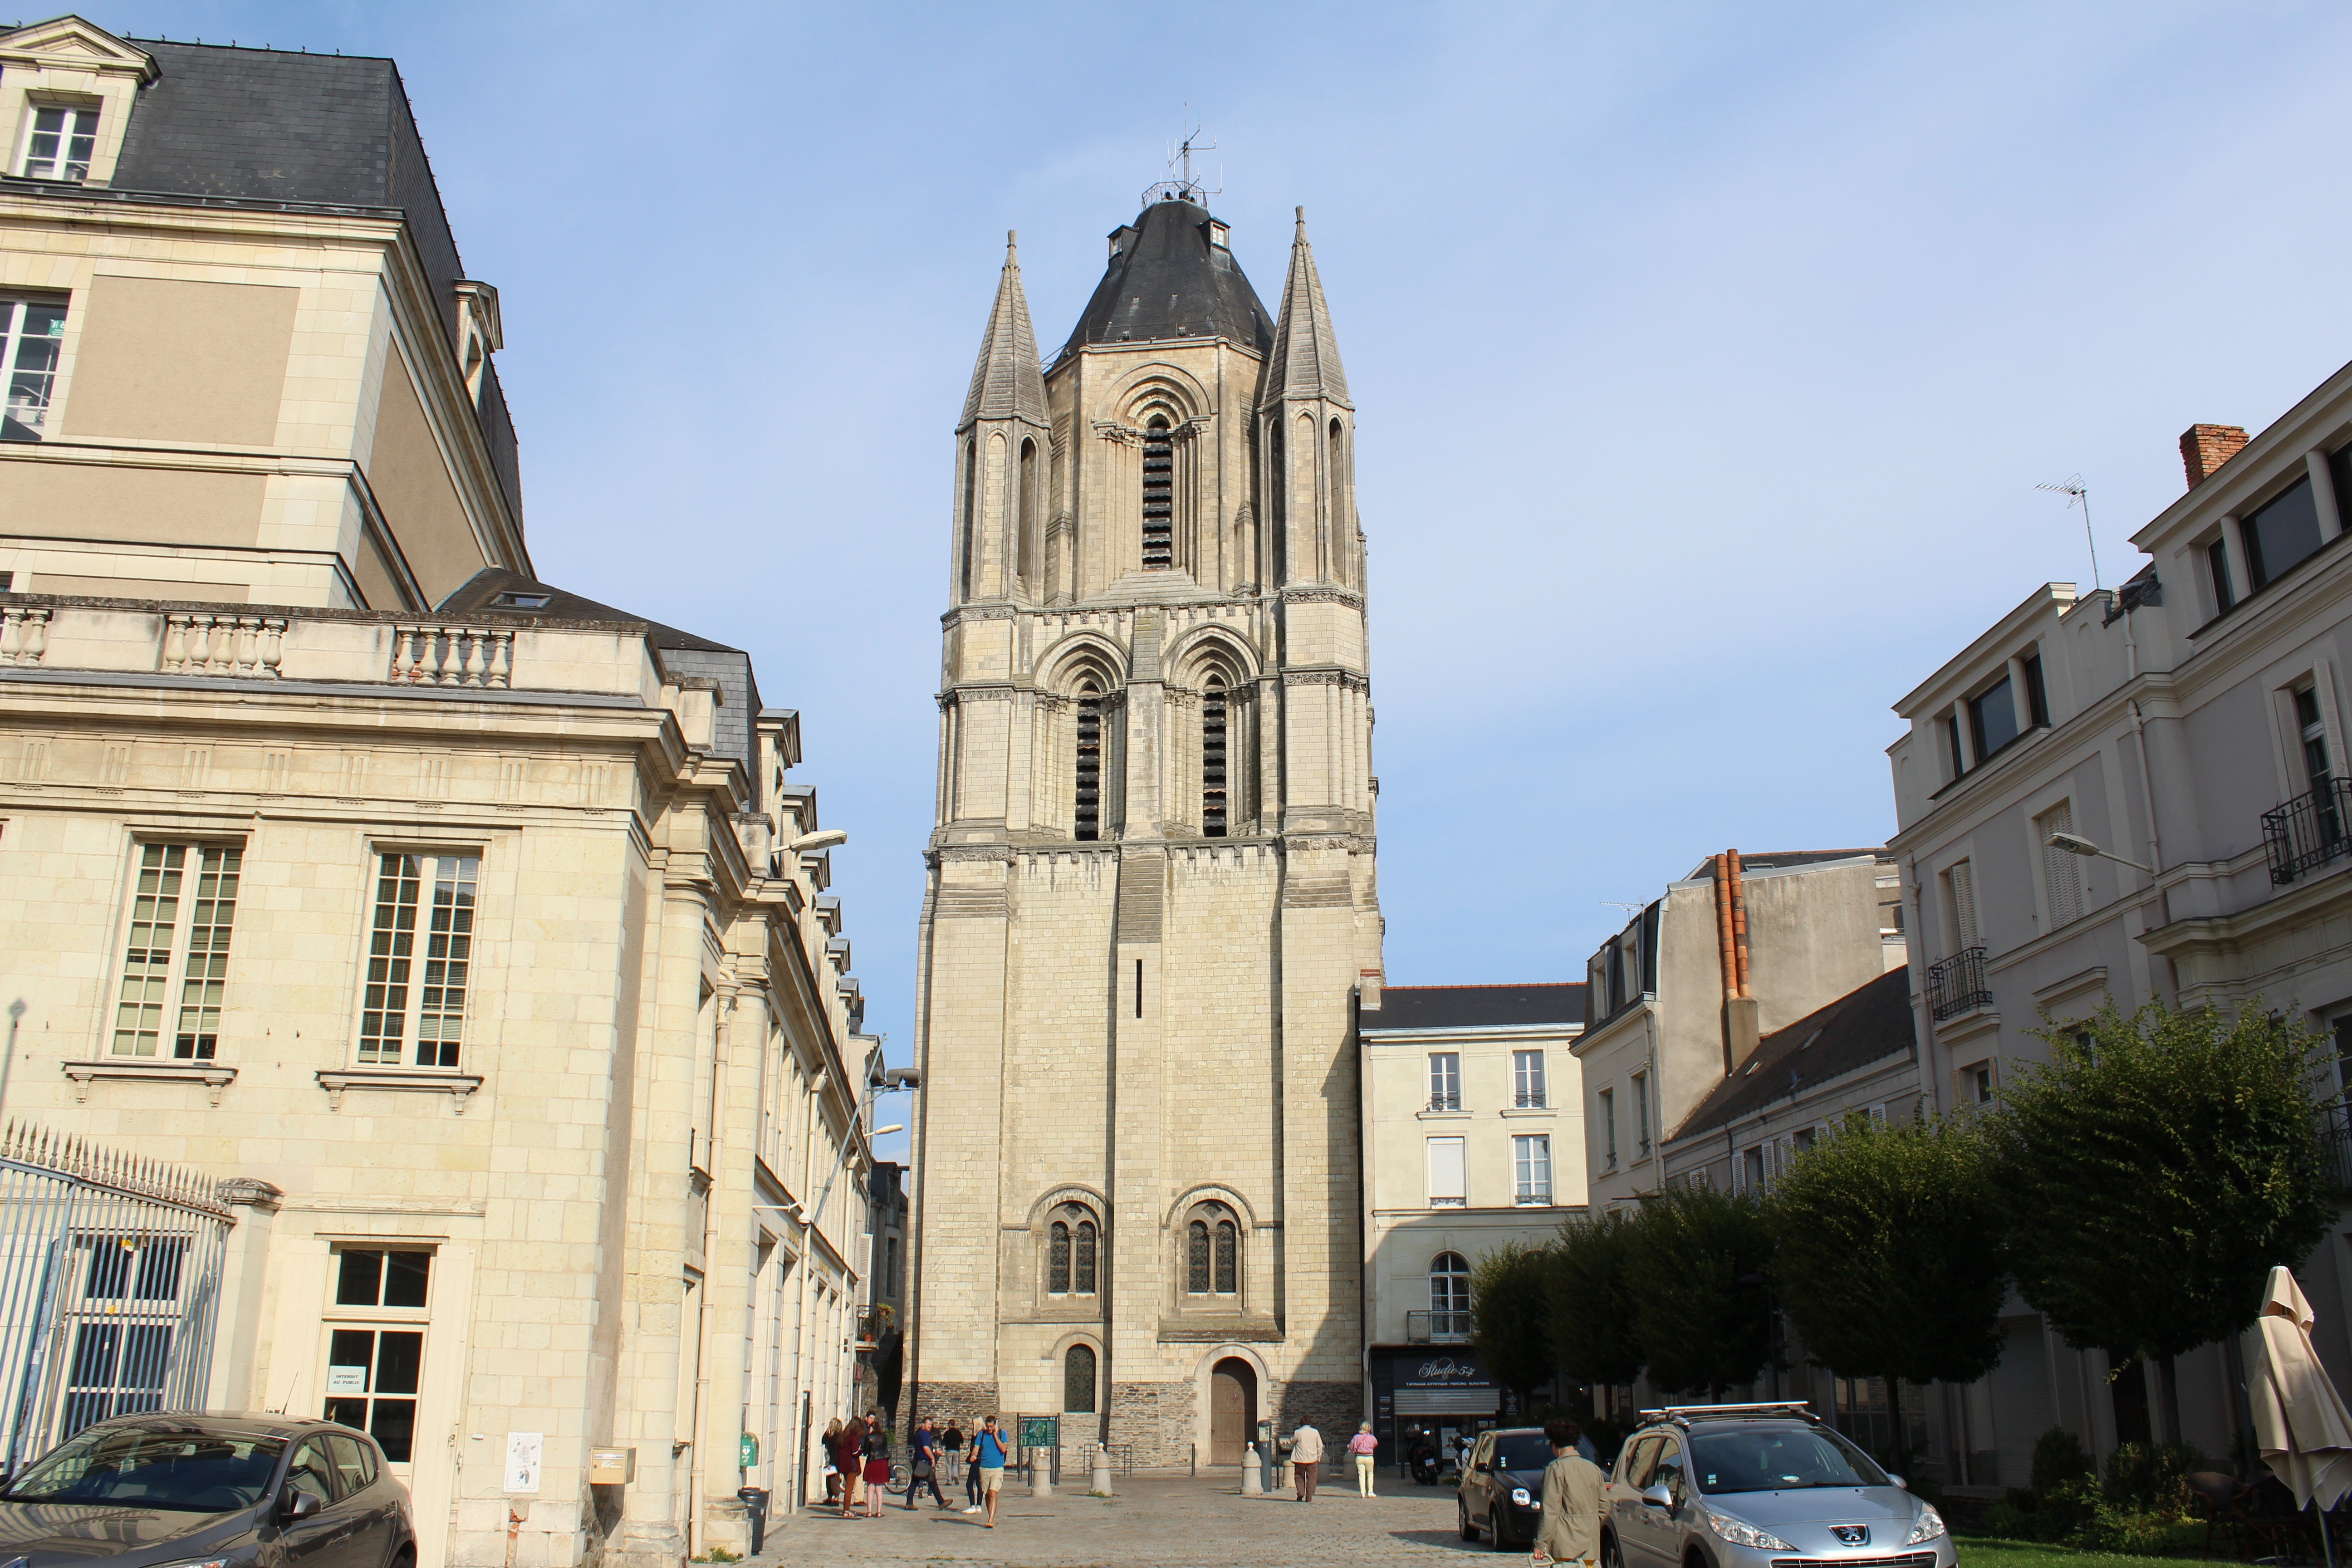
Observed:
{"x":1179,"y":1523}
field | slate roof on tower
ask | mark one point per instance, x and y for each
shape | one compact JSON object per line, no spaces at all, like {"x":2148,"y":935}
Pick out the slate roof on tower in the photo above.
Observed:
{"x":1170,"y":277}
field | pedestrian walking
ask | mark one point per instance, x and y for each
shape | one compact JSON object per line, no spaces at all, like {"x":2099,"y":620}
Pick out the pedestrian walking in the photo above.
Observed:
{"x":878,"y":1467}
{"x":1363,"y":1445}
{"x":850,"y":1455}
{"x":951,"y":1441}
{"x":1306,"y":1459}
{"x":988,"y":1450}
{"x":925,"y":1469}
{"x":1570,"y":1533}
{"x":833,"y":1461}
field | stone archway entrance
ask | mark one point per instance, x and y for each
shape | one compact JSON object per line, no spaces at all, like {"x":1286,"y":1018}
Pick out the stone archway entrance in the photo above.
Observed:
{"x":1232,"y":1409}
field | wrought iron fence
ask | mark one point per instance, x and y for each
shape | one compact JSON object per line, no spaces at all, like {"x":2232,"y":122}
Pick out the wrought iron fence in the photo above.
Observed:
{"x":1958,"y":984}
{"x":109,"y":1278}
{"x":1426,"y":1328}
{"x":2308,"y":831}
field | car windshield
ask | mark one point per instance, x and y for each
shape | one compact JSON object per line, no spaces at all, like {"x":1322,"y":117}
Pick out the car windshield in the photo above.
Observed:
{"x":1522,"y":1451}
{"x":131,"y":1467}
{"x":1777,"y":1458}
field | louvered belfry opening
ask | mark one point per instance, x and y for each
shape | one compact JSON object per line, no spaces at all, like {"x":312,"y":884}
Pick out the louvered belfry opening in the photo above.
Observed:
{"x":1088,"y":816}
{"x":1158,"y":495}
{"x":1212,"y":761}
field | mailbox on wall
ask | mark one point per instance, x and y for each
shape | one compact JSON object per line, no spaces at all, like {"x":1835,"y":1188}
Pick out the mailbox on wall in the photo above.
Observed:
{"x":612,"y":1467}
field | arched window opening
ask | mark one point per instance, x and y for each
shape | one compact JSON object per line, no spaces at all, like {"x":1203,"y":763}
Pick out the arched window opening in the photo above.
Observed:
{"x":1338,"y":509}
{"x":1082,"y":1279}
{"x":1449,"y":1294}
{"x":1197,"y":1261}
{"x":970,"y":516}
{"x":1229,"y":1264}
{"x":1057,"y":1259}
{"x":1213,"y":759}
{"x":1087,"y":817}
{"x":1078,"y":1381}
{"x":1158,"y":495}
{"x":1026,"y":527}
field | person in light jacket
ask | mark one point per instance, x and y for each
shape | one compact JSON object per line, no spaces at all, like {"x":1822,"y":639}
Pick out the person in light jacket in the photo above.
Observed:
{"x":1570,"y":1534}
{"x":1306,"y":1459}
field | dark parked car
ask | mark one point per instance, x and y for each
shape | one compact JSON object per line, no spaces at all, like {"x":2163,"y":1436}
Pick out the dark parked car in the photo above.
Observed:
{"x":1501,"y":1491}
{"x":239,"y":1491}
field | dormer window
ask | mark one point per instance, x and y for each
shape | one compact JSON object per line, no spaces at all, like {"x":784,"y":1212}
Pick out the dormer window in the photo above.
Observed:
{"x":517,"y":601}
{"x":59,"y":142}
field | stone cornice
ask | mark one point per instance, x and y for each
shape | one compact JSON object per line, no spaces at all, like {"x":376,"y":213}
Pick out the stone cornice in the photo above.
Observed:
{"x":1323,"y":594}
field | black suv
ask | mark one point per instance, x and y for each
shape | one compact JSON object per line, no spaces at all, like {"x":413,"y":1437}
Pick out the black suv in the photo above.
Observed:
{"x":240,"y":1491}
{"x":1501,"y":1491}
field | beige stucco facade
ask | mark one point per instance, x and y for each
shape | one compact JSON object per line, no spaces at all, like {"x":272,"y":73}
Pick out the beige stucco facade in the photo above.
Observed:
{"x":1137,"y":979}
{"x":476,"y":939}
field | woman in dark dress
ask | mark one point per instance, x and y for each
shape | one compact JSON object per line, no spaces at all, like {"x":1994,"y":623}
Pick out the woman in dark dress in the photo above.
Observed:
{"x":878,"y":1466}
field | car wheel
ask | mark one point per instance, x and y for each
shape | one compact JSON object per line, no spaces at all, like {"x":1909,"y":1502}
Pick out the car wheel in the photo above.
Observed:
{"x":1469,"y":1531}
{"x":1612,"y":1554}
{"x":1494,"y":1537}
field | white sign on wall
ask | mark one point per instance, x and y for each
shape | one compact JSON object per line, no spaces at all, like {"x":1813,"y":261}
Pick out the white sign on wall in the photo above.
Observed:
{"x":523,"y":1451}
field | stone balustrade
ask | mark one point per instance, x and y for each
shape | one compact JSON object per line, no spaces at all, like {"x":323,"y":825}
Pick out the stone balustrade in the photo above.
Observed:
{"x":342,"y":647}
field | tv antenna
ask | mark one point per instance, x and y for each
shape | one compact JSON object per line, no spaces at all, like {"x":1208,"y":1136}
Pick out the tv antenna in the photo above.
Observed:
{"x":1184,"y":187}
{"x":2074,"y":490}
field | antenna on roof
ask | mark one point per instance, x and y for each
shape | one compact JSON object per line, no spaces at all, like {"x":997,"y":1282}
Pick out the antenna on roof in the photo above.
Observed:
{"x":1184,"y":187}
{"x":2074,"y":490}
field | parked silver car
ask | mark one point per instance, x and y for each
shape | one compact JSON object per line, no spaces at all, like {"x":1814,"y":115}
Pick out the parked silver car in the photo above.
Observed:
{"x":1760,"y":1486}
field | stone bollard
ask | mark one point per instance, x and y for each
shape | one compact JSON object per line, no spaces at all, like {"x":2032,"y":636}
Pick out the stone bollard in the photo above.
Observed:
{"x":1101,"y":1487}
{"x":1251,"y":1485}
{"x":1041,"y":1472}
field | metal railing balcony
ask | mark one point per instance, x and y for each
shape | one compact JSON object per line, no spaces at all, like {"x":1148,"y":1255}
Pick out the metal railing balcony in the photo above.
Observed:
{"x":1957,"y":985}
{"x":1432,"y":1328}
{"x":2308,"y":831}
{"x":1443,"y":1101}
{"x":1529,"y":1099}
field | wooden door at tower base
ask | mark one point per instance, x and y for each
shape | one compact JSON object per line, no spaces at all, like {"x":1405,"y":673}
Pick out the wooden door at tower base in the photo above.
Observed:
{"x":1232,"y":1409}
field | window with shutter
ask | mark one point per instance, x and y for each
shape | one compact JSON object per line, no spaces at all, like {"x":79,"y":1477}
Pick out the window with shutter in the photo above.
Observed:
{"x":1213,"y":759}
{"x":1158,"y":495}
{"x":1448,"y":1184}
{"x":2061,"y":869}
{"x":1087,"y":815}
{"x":1961,"y":881}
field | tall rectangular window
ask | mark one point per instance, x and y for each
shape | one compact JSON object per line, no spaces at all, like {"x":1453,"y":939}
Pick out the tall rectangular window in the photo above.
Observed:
{"x":373,"y":1371}
{"x":404,"y":1001}
{"x":1531,"y":1169}
{"x":1527,"y":1081}
{"x":1641,"y":1116}
{"x":2061,"y":869}
{"x":1992,"y":715}
{"x":1445,"y":1081}
{"x":1159,"y":493}
{"x":1212,"y":761}
{"x":1609,"y":1129}
{"x":1960,"y":882}
{"x":1449,"y":1177}
{"x":182,"y":908}
{"x":2282,"y":534}
{"x":1087,"y":814}
{"x":2217,"y":565}
{"x":59,"y":142}
{"x":30,"y":334}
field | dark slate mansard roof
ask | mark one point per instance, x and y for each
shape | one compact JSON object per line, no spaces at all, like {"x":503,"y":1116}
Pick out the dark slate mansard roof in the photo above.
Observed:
{"x":682,"y":653}
{"x":1474,"y":1006}
{"x":1866,"y":1024}
{"x":265,"y":125}
{"x":1169,"y":281}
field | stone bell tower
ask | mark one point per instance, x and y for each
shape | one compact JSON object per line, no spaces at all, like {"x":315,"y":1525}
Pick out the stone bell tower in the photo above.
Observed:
{"x":1150,"y":898}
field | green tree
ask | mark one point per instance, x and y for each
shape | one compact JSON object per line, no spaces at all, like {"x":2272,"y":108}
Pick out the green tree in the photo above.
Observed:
{"x":1700,"y":1328}
{"x":1593,"y":1337}
{"x":1890,"y":1260}
{"x":1510,"y":1316}
{"x":2153,"y":1172}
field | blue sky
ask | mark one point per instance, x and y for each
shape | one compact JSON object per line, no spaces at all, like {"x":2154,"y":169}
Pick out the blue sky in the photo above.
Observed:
{"x":1705,"y":356}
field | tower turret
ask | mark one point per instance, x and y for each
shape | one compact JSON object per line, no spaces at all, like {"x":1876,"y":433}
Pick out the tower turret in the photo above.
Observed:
{"x":1306,"y":430}
{"x":1002,"y":457}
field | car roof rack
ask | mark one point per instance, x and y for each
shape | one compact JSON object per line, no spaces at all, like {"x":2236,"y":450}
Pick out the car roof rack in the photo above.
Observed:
{"x":1680,"y":1415}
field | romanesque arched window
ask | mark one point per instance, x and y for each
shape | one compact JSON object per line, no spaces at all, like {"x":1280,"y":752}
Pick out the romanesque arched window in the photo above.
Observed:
{"x":1212,"y":1247}
{"x":1082,"y":1275}
{"x":1078,"y":1381}
{"x":1212,"y":759}
{"x":1196,"y":1260}
{"x":1057,"y":1259}
{"x":1087,"y":815}
{"x":1159,"y":494}
{"x":970,"y":514}
{"x":1229,"y":1258}
{"x":1029,"y":499}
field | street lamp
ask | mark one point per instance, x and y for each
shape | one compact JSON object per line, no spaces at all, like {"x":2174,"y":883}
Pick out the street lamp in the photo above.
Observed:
{"x":830,"y":838}
{"x":2075,"y":844}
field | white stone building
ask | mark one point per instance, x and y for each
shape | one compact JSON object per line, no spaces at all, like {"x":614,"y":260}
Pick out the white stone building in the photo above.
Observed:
{"x":1150,"y":890}
{"x":2190,"y":723}
{"x":468,"y":929}
{"x":1473,"y":1137}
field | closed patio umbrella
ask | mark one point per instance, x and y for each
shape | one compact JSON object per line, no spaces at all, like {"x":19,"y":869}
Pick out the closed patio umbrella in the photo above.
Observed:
{"x":2300,"y":1421}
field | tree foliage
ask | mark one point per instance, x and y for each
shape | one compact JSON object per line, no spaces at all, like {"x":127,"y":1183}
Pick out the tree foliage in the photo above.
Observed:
{"x":1593,"y":1335}
{"x":1890,"y":1259}
{"x":1510,"y":1315}
{"x":1699,"y":1327}
{"x":2151,"y":1176}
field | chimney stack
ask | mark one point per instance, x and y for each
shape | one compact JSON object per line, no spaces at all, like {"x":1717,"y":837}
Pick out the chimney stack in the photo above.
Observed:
{"x":2205,"y":447}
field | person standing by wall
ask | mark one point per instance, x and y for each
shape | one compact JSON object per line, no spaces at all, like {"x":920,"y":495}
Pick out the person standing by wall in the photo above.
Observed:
{"x":1364,"y":1446}
{"x":878,"y":1466}
{"x":849,"y":1454}
{"x":1571,"y":1535}
{"x":833,"y":1461}
{"x":1306,"y":1459}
